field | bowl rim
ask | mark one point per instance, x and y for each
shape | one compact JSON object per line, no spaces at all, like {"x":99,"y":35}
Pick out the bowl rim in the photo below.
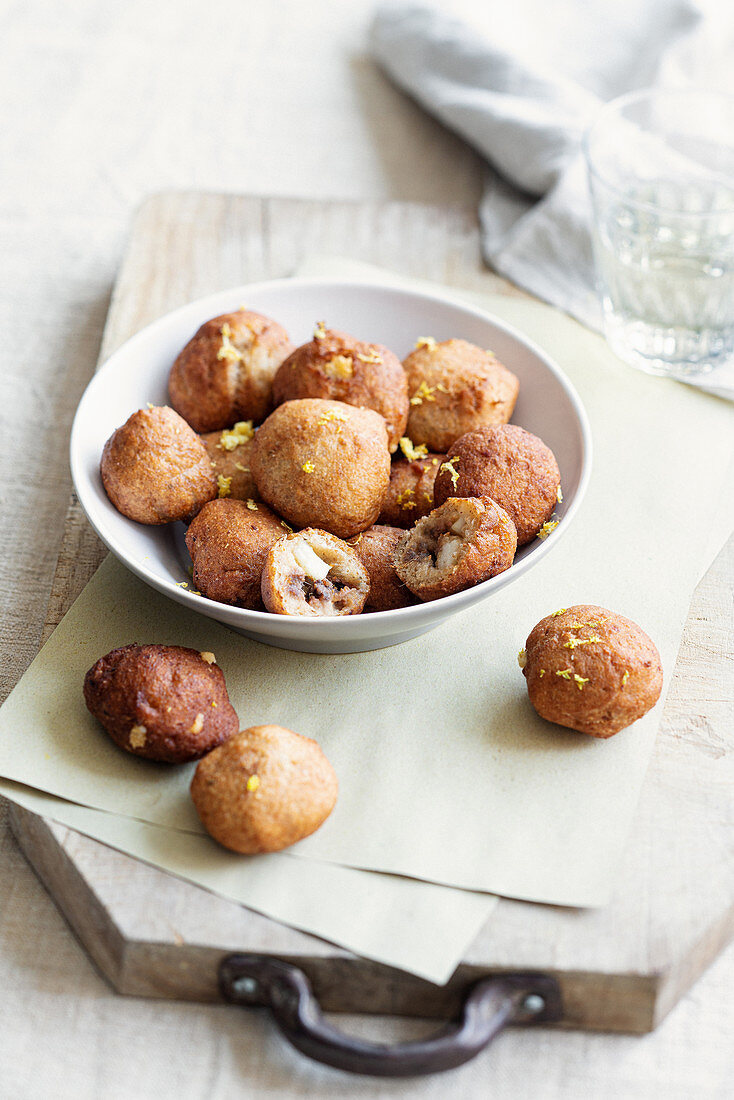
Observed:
{"x":340,"y":627}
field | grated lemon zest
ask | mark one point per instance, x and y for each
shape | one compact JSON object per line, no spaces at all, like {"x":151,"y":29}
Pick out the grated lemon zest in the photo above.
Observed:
{"x":319,"y":331}
{"x":541,"y":673}
{"x":565,"y":673}
{"x":251,"y":504}
{"x":450,"y":469}
{"x":308,"y":467}
{"x":559,"y":495}
{"x":339,"y":366}
{"x":253,"y":782}
{"x":368,"y":357}
{"x":412,"y":453}
{"x":425,"y":342}
{"x":403,"y":498}
{"x":207,"y":656}
{"x":224,"y":486}
{"x":228,"y":351}
{"x":522,"y":658}
{"x":546,"y":529}
{"x":232,"y":438}
{"x":580,"y":681}
{"x":423,"y":393}
{"x":625,"y":677}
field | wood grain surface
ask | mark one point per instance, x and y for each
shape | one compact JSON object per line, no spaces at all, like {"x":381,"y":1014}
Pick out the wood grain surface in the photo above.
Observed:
{"x":621,"y":968}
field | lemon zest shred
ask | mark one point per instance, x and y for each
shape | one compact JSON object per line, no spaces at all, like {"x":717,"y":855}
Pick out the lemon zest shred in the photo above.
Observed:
{"x":573,"y":642}
{"x":308,"y":467}
{"x":547,"y":527}
{"x":565,"y":673}
{"x":425,"y":342}
{"x":450,"y":468}
{"x":423,"y":393}
{"x":625,"y":677}
{"x":253,"y":782}
{"x":559,"y":495}
{"x":228,"y":351}
{"x":412,"y":453}
{"x":232,"y":438}
{"x":339,"y":366}
{"x":319,"y":331}
{"x":404,"y":498}
{"x":368,"y":357}
{"x":251,"y":504}
{"x":224,"y":486}
{"x":182,"y":584}
{"x":522,"y":658}
{"x":441,"y":388}
{"x":287,"y":526}
{"x":580,"y":681}
{"x":541,"y":673}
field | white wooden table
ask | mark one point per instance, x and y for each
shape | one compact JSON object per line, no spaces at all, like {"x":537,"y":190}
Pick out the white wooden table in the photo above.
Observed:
{"x":102,"y":104}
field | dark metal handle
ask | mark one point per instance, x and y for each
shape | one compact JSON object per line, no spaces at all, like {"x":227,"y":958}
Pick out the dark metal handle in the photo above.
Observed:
{"x":489,"y":1006}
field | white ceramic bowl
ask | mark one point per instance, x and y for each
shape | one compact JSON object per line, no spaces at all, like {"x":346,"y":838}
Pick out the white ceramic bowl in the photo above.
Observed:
{"x":138,"y":373}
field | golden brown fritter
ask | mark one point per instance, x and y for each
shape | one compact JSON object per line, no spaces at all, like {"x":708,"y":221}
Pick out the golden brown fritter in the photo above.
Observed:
{"x":225,"y":373}
{"x":591,"y":670}
{"x":511,"y":466}
{"x":230,"y":452}
{"x":313,"y":573}
{"x":162,"y":702}
{"x":463,"y":542}
{"x":337,"y":367}
{"x":228,"y":542}
{"x":454,"y":387}
{"x":155,"y":469}
{"x":375,"y":548}
{"x":409,"y":495}
{"x":323,"y":464}
{"x":265,"y":789}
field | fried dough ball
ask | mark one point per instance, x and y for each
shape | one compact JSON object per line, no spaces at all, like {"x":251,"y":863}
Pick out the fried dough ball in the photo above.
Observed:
{"x":409,"y":495}
{"x":591,"y":669}
{"x":511,"y":466}
{"x":228,"y":542}
{"x":313,"y":573}
{"x":464,"y":541}
{"x":230,"y":453}
{"x":336,"y":366}
{"x":155,"y":469}
{"x":454,"y":387}
{"x":323,"y":464}
{"x":263,"y":790}
{"x":162,"y":702}
{"x":225,"y":373}
{"x":375,"y":548}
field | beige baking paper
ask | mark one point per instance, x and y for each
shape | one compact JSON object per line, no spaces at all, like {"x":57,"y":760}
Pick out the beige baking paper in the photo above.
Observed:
{"x":445,"y":771}
{"x":401,"y":922}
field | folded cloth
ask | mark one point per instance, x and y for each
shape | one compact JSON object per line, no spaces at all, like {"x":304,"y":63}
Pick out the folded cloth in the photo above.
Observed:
{"x":521,"y":86}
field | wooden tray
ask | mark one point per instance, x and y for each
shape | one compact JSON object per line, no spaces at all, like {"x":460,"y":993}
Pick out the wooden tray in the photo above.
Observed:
{"x":621,"y":968}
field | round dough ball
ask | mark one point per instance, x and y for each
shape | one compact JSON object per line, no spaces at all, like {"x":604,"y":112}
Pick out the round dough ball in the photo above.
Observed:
{"x":511,"y":466}
{"x":155,"y":469}
{"x":454,"y":387}
{"x":463,"y":542}
{"x":336,"y":366}
{"x":228,"y":542}
{"x":225,"y":373}
{"x":323,"y":464}
{"x":375,"y":548}
{"x":313,"y":573}
{"x":409,"y":495}
{"x":230,"y":453}
{"x":591,"y":669}
{"x":265,"y":789}
{"x":162,"y":702}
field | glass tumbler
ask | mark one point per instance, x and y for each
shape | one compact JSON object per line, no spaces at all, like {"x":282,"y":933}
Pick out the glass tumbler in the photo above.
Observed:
{"x":661,"y":175}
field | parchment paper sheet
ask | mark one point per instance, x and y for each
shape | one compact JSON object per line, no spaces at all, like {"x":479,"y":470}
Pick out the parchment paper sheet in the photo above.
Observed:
{"x":445,"y":771}
{"x":398,"y":921}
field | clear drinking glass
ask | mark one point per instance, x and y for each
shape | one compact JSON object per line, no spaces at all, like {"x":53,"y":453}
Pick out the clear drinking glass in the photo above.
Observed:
{"x":661,"y":173}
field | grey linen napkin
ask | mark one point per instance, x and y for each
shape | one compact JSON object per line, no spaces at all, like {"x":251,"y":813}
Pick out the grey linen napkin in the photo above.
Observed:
{"x":521,"y":82}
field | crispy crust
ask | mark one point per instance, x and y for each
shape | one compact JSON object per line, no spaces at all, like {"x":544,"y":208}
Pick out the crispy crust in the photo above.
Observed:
{"x":511,"y":466}
{"x":234,"y":465}
{"x":375,"y":548}
{"x":155,"y":469}
{"x":265,"y":789}
{"x":225,"y":373}
{"x":591,"y":670}
{"x":290,"y":587}
{"x":454,"y":387}
{"x":228,"y":543}
{"x":409,"y":495}
{"x":337,"y":367}
{"x":323,"y":464}
{"x":165,"y":703}
{"x":461,"y":543}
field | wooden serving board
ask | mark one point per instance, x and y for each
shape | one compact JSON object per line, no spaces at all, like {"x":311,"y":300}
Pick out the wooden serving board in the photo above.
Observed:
{"x":621,"y":968}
